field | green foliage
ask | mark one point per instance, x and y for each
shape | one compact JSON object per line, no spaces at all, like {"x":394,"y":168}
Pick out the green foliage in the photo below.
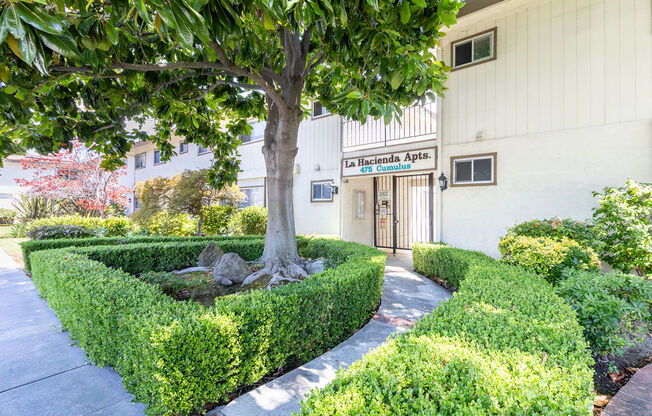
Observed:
{"x":447,"y":263}
{"x":216,"y":219}
{"x":558,"y":228}
{"x":178,"y":356}
{"x":169,"y":224}
{"x":7,"y":216}
{"x":249,"y":221}
{"x":624,"y":221}
{"x":153,"y":195}
{"x":29,"y":247}
{"x":613,"y":308}
{"x":48,"y":232}
{"x":504,"y":344}
{"x":546,"y":256}
{"x":109,"y":227}
{"x":31,"y":207}
{"x":171,"y":283}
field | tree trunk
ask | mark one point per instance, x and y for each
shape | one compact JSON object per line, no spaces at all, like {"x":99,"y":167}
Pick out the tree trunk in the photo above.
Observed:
{"x":200,"y":223}
{"x":280,"y":150}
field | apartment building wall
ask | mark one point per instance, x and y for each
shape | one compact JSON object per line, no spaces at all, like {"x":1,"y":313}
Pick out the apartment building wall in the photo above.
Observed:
{"x":566,"y":105}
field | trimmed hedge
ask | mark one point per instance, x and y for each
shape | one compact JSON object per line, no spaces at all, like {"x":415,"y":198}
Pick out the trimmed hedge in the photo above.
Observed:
{"x":178,"y":356}
{"x":29,"y":247}
{"x":558,"y":228}
{"x":108,"y":227}
{"x":546,"y":256}
{"x":504,"y":344}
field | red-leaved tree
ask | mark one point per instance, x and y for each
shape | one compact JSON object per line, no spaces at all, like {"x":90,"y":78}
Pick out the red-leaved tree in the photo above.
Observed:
{"x":76,"y":177}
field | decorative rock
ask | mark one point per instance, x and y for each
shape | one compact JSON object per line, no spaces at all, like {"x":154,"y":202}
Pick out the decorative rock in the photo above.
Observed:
{"x":232,"y":267}
{"x":223,"y":281}
{"x":315,"y":266}
{"x":210,"y":256}
{"x":192,"y":269}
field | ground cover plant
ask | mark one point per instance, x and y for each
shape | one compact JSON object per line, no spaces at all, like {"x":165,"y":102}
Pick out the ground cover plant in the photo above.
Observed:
{"x":178,"y":356}
{"x":505,"y":344}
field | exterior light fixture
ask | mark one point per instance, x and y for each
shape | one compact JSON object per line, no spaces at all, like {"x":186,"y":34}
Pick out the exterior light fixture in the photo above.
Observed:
{"x":443,"y":181}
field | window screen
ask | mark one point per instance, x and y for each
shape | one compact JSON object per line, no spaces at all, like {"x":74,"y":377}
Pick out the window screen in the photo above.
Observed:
{"x":477,"y":49}
{"x":322,"y":191}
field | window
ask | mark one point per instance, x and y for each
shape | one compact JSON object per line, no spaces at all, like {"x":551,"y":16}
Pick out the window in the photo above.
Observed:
{"x":6,"y":196}
{"x":69,"y":174}
{"x":319,"y":110}
{"x":358,"y":205}
{"x":474,"y":169}
{"x":201,"y":150}
{"x":157,"y":157}
{"x":257,"y":133}
{"x":183,"y":147}
{"x":475,"y":49}
{"x":321,"y":191}
{"x":140,"y":160}
{"x":136,"y":203}
{"x":255,"y":196}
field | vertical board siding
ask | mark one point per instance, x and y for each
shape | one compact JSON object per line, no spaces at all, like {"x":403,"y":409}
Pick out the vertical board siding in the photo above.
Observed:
{"x":561,"y":64}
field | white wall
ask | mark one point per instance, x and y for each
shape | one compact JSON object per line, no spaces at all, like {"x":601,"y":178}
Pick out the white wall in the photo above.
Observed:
{"x":567,"y":106}
{"x":9,"y":189}
{"x":360,"y":230}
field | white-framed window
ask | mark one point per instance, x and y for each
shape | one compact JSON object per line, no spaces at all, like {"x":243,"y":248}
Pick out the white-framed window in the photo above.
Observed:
{"x":474,"y":49}
{"x":201,"y":150}
{"x":359,"y":205}
{"x":255,"y":196}
{"x":140,"y":160}
{"x":321,"y":191}
{"x":319,"y":110}
{"x":157,"y":157}
{"x":257,"y":132}
{"x":183,"y":147}
{"x":474,"y":169}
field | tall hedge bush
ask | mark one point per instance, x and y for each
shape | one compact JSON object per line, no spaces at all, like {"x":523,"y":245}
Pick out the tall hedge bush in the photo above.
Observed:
{"x":249,"y":221}
{"x":178,"y":356}
{"x":216,"y":219}
{"x":504,"y":344}
{"x":559,"y":228}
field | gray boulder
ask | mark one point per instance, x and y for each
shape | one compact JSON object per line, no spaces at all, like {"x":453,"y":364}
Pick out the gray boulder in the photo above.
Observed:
{"x":232,"y":267}
{"x":315,"y":266}
{"x":223,"y":280}
{"x":211,"y":255}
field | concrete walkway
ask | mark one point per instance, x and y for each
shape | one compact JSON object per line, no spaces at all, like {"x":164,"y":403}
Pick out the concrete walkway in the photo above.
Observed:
{"x":634,"y":398}
{"x":40,"y":372}
{"x":407,"y":297}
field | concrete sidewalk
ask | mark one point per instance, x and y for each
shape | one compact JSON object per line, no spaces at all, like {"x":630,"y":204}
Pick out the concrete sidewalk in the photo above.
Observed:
{"x":41,"y":373}
{"x":407,"y":297}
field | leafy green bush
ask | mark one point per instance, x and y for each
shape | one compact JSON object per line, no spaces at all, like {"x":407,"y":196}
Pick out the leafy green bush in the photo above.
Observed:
{"x":216,"y":219}
{"x":624,"y":221}
{"x":546,"y":256}
{"x":29,"y":247}
{"x":447,"y":263}
{"x":249,"y":221}
{"x":558,"y":228}
{"x":49,"y":232}
{"x":178,"y":356}
{"x":504,"y":344}
{"x":168,"y":224}
{"x":108,"y":227}
{"x":7,"y":216}
{"x":613,"y":308}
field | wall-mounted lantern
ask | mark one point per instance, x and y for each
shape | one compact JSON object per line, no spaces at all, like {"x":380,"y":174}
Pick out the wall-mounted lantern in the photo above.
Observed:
{"x":443,"y":181}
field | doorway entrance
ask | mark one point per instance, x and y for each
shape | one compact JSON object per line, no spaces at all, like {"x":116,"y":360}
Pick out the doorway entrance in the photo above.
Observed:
{"x":403,"y":210}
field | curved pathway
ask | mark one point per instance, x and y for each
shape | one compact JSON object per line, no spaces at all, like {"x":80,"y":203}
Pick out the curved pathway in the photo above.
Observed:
{"x":407,"y":296}
{"x":42,"y":373}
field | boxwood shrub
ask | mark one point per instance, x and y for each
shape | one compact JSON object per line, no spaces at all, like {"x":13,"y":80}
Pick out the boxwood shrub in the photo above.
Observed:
{"x":30,"y":246}
{"x":504,"y":344}
{"x":558,"y":228}
{"x":178,"y":356}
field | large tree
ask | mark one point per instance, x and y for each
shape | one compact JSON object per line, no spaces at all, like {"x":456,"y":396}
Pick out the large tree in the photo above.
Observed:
{"x":80,"y":69}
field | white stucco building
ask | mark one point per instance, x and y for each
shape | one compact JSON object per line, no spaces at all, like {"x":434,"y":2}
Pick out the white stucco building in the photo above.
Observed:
{"x":547,"y":102}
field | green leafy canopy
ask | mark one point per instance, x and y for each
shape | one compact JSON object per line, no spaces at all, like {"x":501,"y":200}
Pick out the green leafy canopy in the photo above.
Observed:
{"x":200,"y":69}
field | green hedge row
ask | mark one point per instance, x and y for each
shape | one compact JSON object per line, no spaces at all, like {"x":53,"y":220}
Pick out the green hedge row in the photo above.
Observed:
{"x":504,"y":344}
{"x":29,"y":247}
{"x":178,"y":356}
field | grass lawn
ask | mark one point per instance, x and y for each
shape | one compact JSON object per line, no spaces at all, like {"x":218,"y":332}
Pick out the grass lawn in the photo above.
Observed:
{"x":11,"y":245}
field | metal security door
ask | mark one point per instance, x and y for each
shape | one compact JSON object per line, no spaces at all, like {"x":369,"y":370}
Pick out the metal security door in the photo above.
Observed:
{"x":403,"y":206}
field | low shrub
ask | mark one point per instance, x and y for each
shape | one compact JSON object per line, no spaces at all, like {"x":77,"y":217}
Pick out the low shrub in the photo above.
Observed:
{"x":167,"y":224}
{"x":504,"y":344}
{"x":177,"y":356}
{"x":249,"y":221}
{"x":216,"y":219}
{"x":444,"y":262}
{"x":49,"y":232}
{"x":613,"y":308}
{"x":7,"y":216}
{"x":624,"y":220}
{"x":29,"y":247}
{"x":107,"y":227}
{"x":546,"y":256}
{"x":558,"y":229}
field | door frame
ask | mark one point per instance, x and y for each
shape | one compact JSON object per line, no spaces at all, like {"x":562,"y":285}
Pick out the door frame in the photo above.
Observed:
{"x":394,"y":214}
